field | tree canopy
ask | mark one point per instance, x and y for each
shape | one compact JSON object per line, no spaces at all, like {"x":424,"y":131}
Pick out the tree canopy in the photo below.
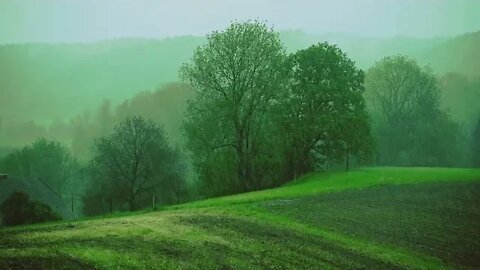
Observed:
{"x":324,"y":111}
{"x":260,"y":117}
{"x":409,"y":123}
{"x":237,"y":75}
{"x":48,"y":161}
{"x":133,"y":161}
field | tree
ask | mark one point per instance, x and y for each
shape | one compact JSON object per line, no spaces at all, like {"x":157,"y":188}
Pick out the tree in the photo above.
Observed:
{"x":132,"y":161}
{"x":237,"y":75}
{"x":409,"y":124}
{"x":48,"y":161}
{"x":324,"y":115}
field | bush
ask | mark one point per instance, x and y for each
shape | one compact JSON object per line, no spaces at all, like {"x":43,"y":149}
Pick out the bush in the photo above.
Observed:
{"x":18,"y":209}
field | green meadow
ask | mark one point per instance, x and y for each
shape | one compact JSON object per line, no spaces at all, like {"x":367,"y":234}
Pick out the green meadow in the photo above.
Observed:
{"x":372,"y":218}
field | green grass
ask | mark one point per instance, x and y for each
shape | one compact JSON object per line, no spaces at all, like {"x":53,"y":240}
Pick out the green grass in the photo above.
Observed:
{"x":318,"y":183}
{"x":381,"y":218}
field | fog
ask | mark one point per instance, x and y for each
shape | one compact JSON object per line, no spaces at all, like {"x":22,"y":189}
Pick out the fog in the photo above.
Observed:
{"x":74,"y":73}
{"x":86,"y":21}
{"x":239,"y":134}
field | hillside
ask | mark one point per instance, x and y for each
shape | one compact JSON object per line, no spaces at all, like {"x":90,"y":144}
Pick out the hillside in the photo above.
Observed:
{"x":381,"y":218}
{"x":460,"y":55}
{"x":365,"y":51}
{"x":40,"y":81}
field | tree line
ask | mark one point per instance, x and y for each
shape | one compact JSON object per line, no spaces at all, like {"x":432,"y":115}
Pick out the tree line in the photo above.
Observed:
{"x":256,"y":118}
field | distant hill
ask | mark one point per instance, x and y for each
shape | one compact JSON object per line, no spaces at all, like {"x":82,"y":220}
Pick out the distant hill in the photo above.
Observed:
{"x":363,"y":50}
{"x":53,"y":82}
{"x":42,"y":82}
{"x":460,"y":55}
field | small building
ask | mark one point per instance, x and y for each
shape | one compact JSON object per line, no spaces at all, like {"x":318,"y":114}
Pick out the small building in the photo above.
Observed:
{"x":36,"y":190}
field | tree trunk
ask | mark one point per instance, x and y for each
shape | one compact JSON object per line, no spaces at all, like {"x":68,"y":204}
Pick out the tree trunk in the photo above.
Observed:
{"x":347,"y":162}
{"x":241,"y":166}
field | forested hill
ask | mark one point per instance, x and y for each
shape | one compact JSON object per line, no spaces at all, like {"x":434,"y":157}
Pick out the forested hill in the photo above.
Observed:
{"x":460,"y":55}
{"x":39,"y":81}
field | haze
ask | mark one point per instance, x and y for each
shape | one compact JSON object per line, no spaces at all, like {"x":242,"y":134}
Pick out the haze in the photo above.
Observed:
{"x":56,"y":21}
{"x":229,"y":134}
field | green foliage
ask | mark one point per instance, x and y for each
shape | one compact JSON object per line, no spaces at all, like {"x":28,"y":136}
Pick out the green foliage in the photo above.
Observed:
{"x":48,"y":161}
{"x":18,"y":209}
{"x":119,"y":69}
{"x":461,"y":95}
{"x":323,"y":115}
{"x":260,"y":118}
{"x":238,"y":74}
{"x":133,"y":164}
{"x":410,"y":126}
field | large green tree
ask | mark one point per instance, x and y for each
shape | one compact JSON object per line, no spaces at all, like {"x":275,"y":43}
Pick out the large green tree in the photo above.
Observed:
{"x":324,"y":115}
{"x":237,"y":76}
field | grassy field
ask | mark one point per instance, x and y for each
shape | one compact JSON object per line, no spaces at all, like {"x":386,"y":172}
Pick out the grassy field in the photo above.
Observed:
{"x":382,"y":218}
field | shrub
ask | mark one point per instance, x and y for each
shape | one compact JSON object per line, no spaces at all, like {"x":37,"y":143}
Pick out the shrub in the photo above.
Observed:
{"x":18,"y":209}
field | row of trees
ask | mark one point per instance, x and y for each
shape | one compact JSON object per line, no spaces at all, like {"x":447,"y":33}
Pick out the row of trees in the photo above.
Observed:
{"x":261,"y":117}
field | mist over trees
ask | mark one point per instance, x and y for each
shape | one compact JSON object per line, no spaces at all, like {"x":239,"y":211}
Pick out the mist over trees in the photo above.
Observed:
{"x":165,"y":106}
{"x":410,"y":126}
{"x":248,"y":116}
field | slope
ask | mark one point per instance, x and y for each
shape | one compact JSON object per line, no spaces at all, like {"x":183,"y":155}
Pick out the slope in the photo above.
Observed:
{"x":460,"y":55}
{"x":382,"y":218}
{"x":44,"y":82}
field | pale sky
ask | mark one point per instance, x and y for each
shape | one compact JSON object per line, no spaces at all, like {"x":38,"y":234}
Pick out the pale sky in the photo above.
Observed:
{"x":92,"y":20}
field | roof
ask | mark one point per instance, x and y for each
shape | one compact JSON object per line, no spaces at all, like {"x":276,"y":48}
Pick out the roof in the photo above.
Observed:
{"x":35,"y":190}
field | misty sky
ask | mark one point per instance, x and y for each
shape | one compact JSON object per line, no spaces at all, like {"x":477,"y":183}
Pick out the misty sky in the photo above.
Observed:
{"x":92,"y":20}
